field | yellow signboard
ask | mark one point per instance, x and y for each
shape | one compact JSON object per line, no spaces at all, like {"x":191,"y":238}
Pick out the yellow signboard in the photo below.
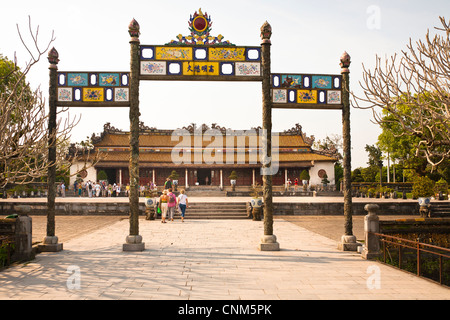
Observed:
{"x":173,"y":53}
{"x":201,"y":68}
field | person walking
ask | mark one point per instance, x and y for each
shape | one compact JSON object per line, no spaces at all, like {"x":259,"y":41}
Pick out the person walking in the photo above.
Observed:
{"x":182,"y":203}
{"x":163,"y":202}
{"x":171,"y":204}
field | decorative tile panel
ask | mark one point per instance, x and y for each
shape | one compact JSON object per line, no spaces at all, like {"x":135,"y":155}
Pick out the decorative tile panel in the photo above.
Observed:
{"x":306,"y":90}
{"x":248,"y":69}
{"x":227,"y":54}
{"x":93,"y":94}
{"x":214,"y":61}
{"x":334,"y":97}
{"x":77,"y":79}
{"x":153,"y":67}
{"x":280,"y":95}
{"x":65,"y":94}
{"x":101,"y":88}
{"x":109,"y":79}
{"x":307,"y":96}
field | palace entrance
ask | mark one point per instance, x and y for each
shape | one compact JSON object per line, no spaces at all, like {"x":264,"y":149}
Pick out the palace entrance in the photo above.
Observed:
{"x":204,"y":177}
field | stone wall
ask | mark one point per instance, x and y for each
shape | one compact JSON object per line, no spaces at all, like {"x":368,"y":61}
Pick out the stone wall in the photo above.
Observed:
{"x":280,"y":208}
{"x":337,"y":208}
{"x":40,"y":208}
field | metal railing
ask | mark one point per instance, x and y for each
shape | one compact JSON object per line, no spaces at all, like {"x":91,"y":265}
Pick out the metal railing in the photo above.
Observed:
{"x":418,"y":247}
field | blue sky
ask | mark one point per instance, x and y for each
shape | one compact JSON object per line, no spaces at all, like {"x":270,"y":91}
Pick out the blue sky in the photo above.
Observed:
{"x":308,"y":37}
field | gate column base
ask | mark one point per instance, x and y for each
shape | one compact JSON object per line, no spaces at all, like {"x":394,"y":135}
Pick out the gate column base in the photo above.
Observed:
{"x":134,"y":243}
{"x":348,"y":243}
{"x":50,"y":244}
{"x":269,"y":243}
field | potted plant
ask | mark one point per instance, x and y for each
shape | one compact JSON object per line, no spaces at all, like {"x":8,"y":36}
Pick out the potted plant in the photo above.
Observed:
{"x":304,"y":177}
{"x":441,"y":188}
{"x":423,"y":190}
{"x":325,"y":180}
{"x":174,"y":176}
{"x":233,"y":177}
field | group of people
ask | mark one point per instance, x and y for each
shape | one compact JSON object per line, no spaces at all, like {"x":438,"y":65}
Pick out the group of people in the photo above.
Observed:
{"x":96,"y":189}
{"x":169,"y":202}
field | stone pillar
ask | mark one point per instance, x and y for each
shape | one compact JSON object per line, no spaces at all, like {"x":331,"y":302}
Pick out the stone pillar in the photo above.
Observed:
{"x":221,"y":179}
{"x":153,"y":176}
{"x":371,"y":248}
{"x":24,"y":249}
{"x":50,"y":242}
{"x":253,"y":177}
{"x":269,"y":240}
{"x":134,"y":240}
{"x":348,"y":240}
{"x":285,"y":179}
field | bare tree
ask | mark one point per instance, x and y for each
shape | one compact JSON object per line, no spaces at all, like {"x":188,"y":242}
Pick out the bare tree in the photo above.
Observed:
{"x":24,"y":122}
{"x":413,"y":90}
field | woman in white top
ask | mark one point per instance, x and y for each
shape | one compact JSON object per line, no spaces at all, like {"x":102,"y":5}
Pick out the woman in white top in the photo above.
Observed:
{"x":183,"y":204}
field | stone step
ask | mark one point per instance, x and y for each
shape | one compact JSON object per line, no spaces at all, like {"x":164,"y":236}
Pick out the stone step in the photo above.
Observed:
{"x":219,"y":210}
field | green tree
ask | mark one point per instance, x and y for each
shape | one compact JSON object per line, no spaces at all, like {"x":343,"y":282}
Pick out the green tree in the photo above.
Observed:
{"x":375,"y":158}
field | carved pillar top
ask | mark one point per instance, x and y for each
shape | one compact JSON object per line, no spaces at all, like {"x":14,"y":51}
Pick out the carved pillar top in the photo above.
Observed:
{"x":266,"y":33}
{"x":345,"y":62}
{"x":53,"y":56}
{"x":134,"y":30}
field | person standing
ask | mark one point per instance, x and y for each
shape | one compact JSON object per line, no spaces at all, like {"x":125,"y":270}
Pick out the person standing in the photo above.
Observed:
{"x":89,"y":188}
{"x":63,"y":190}
{"x":168,"y":184}
{"x":163,"y":202}
{"x":182,"y":203}
{"x":171,"y":204}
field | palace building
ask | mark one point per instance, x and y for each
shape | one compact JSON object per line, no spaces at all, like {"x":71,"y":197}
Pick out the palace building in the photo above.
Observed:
{"x":206,"y":156}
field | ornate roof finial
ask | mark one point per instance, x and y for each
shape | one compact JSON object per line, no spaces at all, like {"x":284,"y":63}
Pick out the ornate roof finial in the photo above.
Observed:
{"x":53,"y":56}
{"x":266,"y":33}
{"x":200,"y":27}
{"x":345,"y":62}
{"x":133,"y":30}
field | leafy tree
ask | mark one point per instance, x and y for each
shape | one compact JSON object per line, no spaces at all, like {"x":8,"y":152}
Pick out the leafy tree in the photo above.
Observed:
{"x":375,"y":158}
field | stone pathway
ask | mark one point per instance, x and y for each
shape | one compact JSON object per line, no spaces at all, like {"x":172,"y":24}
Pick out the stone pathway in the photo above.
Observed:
{"x":209,"y":260}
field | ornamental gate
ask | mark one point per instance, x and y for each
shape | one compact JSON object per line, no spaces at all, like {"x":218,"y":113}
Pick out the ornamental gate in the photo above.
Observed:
{"x":198,"y":56}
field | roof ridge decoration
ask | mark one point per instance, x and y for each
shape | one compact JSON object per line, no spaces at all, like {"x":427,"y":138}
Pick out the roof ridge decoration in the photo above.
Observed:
{"x":297,"y":130}
{"x":200,"y":26}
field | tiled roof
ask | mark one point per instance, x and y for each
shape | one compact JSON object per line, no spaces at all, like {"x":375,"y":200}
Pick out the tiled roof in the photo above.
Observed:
{"x":156,"y":150}
{"x":155,"y":140}
{"x":166,"y":158}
